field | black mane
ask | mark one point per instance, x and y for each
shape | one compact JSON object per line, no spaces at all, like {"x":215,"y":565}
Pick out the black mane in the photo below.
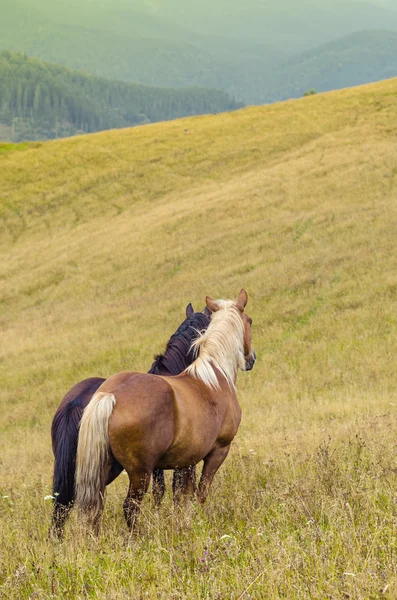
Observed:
{"x":178,"y":354}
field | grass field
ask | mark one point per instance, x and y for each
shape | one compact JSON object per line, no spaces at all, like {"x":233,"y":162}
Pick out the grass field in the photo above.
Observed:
{"x":106,"y":238}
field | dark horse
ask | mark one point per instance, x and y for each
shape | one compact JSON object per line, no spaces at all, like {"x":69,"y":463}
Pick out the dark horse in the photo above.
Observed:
{"x":65,"y":426}
{"x":162,"y":422}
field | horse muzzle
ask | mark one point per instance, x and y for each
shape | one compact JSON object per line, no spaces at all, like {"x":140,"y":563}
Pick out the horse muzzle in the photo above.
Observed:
{"x":249,"y":363}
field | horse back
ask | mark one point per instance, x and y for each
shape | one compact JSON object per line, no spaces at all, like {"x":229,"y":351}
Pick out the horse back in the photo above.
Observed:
{"x":142,"y":424}
{"x":168,"y":422}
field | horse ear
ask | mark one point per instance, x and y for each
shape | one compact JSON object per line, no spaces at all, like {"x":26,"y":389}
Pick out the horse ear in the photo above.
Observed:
{"x":207,"y":312}
{"x":211,"y":304}
{"x":189,"y":310}
{"x":242,"y":300}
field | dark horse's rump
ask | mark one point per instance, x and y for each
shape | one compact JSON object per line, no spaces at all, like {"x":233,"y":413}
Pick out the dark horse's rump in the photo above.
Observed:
{"x":65,"y":426}
{"x":64,"y":433}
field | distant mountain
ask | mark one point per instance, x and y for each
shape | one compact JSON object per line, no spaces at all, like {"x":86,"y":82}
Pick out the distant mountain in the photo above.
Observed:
{"x":258,"y":51}
{"x":133,"y":47}
{"x":283,"y":23}
{"x":117,"y":42}
{"x":359,"y":58}
{"x":40,"y":100}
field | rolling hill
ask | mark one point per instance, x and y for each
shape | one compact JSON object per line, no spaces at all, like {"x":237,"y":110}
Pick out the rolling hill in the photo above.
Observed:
{"x":41,"y":100}
{"x":107,"y":237}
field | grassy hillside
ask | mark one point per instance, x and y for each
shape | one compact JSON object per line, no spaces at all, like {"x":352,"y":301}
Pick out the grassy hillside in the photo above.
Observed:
{"x":107,"y":237}
{"x":40,"y":101}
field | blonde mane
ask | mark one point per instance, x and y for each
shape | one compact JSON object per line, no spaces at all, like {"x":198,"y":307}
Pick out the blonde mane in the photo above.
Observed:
{"x":221,"y":346}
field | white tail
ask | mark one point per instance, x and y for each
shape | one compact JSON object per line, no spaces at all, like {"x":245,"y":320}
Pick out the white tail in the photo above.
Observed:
{"x":93,"y":454}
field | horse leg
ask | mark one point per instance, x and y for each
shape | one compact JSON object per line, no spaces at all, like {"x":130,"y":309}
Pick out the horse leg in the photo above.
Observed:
{"x":59,"y":516}
{"x":139,"y":484}
{"x":158,"y":486}
{"x":95,"y":519}
{"x":212,"y":462}
{"x":184,"y":483}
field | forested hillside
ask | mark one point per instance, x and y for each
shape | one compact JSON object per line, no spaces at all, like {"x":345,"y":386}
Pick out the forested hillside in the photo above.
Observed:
{"x":110,"y":41}
{"x":251,"y":50}
{"x":362,"y":57}
{"x":40,"y":100}
{"x":358,"y":58}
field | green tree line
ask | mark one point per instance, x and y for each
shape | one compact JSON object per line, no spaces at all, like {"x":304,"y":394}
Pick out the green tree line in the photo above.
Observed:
{"x":40,"y":100}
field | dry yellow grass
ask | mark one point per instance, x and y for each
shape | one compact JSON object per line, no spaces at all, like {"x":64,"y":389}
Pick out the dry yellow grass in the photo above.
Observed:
{"x":107,"y":238}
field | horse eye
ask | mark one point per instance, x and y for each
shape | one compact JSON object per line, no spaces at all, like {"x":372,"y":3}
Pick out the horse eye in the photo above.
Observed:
{"x":250,"y":321}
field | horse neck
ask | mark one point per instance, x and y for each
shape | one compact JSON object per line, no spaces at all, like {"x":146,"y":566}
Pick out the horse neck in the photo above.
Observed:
{"x":176,"y":358}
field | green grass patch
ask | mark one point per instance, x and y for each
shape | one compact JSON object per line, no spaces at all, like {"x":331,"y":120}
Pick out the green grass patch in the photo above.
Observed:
{"x":9,"y":147}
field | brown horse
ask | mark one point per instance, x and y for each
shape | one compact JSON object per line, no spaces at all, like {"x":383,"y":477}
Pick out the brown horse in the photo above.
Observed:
{"x":177,"y":357}
{"x":149,"y":422}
